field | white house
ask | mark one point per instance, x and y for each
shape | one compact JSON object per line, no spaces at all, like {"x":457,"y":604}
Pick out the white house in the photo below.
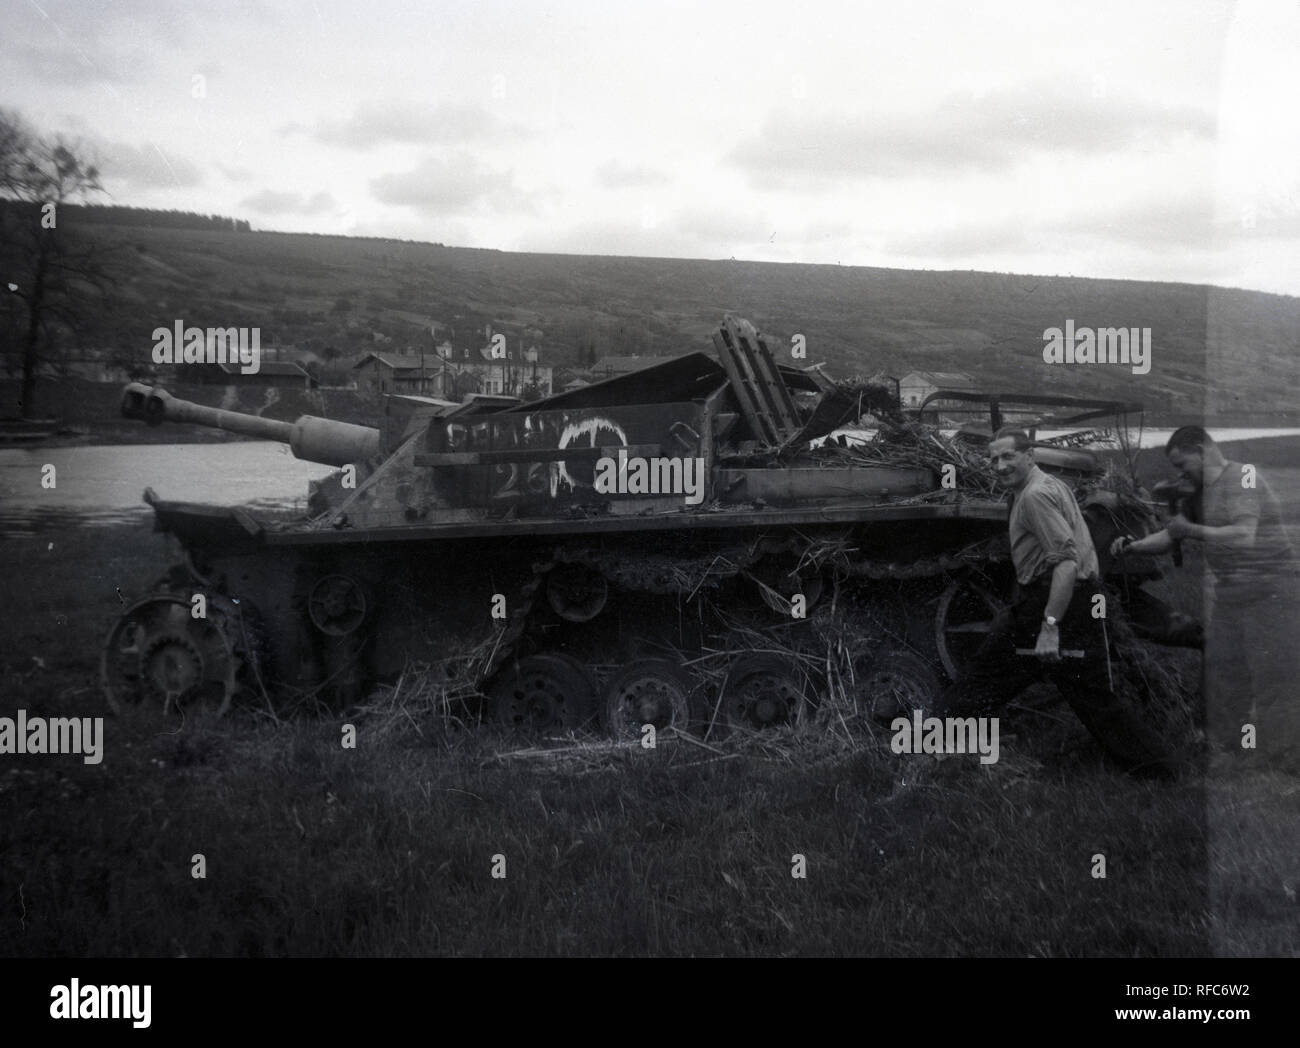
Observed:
{"x":915,"y":386}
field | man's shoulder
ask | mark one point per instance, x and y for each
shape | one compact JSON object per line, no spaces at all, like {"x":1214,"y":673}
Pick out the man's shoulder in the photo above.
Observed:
{"x":1240,"y":482}
{"x":1233,"y":472}
{"x":1042,"y":497}
{"x":1043,"y":487}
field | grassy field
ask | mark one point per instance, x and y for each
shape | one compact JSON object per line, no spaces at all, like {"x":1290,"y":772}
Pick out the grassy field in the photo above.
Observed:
{"x":388,"y":849}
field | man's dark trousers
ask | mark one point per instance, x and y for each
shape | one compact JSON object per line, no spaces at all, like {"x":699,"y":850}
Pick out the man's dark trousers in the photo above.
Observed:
{"x":997,"y":674}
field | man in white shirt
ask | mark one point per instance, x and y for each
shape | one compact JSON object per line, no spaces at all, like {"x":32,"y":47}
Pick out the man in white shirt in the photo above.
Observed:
{"x":1058,"y":586}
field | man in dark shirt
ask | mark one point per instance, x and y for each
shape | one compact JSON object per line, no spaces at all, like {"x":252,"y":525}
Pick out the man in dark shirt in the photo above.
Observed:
{"x":1252,"y":643}
{"x":1059,"y":606}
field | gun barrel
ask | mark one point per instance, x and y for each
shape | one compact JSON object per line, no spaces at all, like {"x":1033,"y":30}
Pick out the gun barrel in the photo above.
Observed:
{"x":310,"y":438}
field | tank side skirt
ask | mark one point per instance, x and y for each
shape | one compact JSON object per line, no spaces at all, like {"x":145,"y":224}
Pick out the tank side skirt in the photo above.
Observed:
{"x":987,"y":511}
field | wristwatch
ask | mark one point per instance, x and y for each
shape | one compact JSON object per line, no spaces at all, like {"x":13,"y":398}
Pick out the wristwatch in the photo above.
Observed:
{"x":1050,"y":620}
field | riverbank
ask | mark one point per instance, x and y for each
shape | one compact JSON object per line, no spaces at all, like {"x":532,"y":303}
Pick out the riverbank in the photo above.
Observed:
{"x":105,"y":484}
{"x":1276,"y":452}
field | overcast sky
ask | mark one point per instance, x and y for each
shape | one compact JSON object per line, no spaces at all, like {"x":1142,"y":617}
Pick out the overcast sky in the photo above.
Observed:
{"x":1155,"y":141}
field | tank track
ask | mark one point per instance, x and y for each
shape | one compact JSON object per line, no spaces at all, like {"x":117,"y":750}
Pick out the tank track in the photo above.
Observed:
{"x":884,"y":653}
{"x":684,"y":577}
{"x":665,"y":575}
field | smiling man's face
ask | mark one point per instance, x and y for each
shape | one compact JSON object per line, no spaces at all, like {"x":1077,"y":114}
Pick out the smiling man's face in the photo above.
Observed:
{"x":1011,"y":466}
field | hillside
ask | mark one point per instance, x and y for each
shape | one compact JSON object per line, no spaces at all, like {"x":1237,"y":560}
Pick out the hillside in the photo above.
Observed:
{"x":1229,"y":353}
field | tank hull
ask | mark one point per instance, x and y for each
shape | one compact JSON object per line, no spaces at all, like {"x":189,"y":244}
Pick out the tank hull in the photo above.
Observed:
{"x":432,"y":590}
{"x":631,"y":553}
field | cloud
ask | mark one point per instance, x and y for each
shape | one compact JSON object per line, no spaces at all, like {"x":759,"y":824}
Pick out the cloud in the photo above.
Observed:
{"x":441,"y":185}
{"x":144,"y":166}
{"x":271,"y":202}
{"x":72,"y":43}
{"x":235,"y":174}
{"x":716,"y":226}
{"x":964,"y":133}
{"x":1182,"y":221}
{"x":93,"y":23}
{"x":629,"y":176}
{"x":1273,"y":215}
{"x":70,"y":65}
{"x":379,"y":123}
{"x":960,"y":241}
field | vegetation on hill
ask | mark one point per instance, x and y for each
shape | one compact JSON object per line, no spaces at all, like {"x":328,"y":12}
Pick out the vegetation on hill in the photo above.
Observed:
{"x":1215,"y":351}
{"x":149,"y":217}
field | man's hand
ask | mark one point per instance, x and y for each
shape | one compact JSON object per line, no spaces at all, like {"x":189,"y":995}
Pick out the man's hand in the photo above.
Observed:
{"x":1049,"y":643}
{"x":1179,"y":527}
{"x":1117,"y":547}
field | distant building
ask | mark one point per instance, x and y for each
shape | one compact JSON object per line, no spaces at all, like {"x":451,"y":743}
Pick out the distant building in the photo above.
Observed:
{"x":450,"y":374}
{"x":915,"y":386}
{"x":508,"y":375}
{"x":394,"y":372}
{"x":281,"y":374}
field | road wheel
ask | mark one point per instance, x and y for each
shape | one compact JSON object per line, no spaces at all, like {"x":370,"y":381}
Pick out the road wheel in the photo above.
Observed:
{"x":897,"y":682}
{"x":650,"y":691}
{"x":542,"y":693}
{"x":763,"y":691}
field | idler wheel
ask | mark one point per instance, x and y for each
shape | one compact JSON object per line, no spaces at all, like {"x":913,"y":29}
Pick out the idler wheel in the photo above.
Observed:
{"x":962,"y":621}
{"x":160,"y":658}
{"x":575,"y":592}
{"x":898,"y":682}
{"x":337,"y":605}
{"x":650,"y":691}
{"x":542,"y":693}
{"x":171,"y":666}
{"x":762,"y":692}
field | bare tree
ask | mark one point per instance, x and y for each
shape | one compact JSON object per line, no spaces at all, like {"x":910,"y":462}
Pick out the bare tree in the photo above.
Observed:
{"x":50,"y":279}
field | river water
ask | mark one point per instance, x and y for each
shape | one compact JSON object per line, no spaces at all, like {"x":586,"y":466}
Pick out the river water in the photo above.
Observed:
{"x":104,"y":484}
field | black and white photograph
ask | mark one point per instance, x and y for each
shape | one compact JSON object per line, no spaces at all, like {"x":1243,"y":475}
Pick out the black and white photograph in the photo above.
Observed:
{"x":553,"y":479}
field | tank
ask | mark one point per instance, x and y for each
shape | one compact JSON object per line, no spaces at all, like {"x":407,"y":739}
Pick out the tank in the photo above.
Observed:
{"x":677,"y":547}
